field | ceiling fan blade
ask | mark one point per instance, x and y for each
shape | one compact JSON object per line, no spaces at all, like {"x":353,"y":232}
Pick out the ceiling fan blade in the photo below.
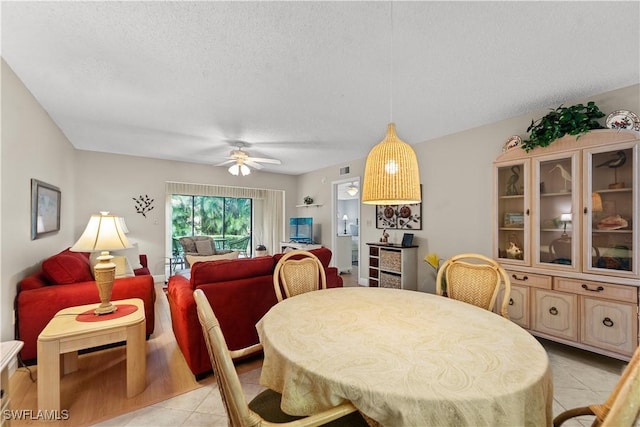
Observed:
{"x":264,"y":160}
{"x":227,"y":162}
{"x":253,"y":164}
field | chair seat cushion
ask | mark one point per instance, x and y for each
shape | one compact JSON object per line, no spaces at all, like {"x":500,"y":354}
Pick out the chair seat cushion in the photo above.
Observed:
{"x":267,"y":405}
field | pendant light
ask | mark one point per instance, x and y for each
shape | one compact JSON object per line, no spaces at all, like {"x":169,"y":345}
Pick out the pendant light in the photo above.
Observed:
{"x":391,"y":174}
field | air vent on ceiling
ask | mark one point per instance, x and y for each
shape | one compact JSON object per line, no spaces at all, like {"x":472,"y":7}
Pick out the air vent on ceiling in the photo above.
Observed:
{"x":344,"y":170}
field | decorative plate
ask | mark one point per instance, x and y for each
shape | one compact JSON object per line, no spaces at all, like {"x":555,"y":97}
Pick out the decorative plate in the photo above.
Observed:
{"x":512,"y":142}
{"x":623,"y":119}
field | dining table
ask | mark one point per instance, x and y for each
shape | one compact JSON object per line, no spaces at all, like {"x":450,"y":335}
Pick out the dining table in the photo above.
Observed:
{"x":404,"y":358}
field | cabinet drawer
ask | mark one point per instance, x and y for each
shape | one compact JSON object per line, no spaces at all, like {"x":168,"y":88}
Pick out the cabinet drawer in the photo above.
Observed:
{"x":555,"y":313}
{"x":518,"y":307}
{"x":528,"y":279}
{"x":609,"y":325}
{"x":597,"y":289}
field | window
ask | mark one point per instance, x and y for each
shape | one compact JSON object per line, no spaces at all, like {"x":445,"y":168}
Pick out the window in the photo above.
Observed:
{"x":226,"y":219}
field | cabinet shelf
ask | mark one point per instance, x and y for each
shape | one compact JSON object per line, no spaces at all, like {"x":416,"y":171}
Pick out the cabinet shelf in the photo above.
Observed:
{"x":556,"y":194}
{"x":310,"y":205}
{"x":613,"y":231}
{"x":613,"y":190}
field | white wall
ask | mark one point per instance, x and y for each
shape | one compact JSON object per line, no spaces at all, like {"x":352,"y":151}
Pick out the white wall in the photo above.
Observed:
{"x":456,"y":174}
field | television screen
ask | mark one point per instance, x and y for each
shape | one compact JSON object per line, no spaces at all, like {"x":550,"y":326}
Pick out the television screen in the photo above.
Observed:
{"x":301,"y":230}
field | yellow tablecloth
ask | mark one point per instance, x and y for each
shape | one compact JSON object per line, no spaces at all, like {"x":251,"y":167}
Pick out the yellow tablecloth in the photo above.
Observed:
{"x":404,"y":358}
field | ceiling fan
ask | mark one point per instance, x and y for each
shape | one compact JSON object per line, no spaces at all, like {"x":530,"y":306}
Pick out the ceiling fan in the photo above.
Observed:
{"x":240,"y":161}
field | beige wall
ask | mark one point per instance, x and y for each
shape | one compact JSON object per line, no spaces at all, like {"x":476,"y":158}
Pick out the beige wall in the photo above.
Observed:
{"x":111,"y":181}
{"x":32,"y":147}
{"x":456,"y":173}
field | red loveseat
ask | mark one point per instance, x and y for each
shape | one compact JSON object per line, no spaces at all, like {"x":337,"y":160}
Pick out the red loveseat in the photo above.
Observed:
{"x":240,"y":292}
{"x":65,"y":280}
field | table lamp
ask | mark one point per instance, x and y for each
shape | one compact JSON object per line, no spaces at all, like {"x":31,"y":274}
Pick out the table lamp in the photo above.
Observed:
{"x":103,"y":233}
{"x":565,"y":217}
{"x":345,"y":218}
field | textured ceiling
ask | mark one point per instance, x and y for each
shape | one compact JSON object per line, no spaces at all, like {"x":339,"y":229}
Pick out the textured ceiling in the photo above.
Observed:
{"x":309,"y":83}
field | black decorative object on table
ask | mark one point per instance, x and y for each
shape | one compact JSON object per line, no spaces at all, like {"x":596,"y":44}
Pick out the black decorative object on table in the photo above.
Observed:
{"x":143,"y":204}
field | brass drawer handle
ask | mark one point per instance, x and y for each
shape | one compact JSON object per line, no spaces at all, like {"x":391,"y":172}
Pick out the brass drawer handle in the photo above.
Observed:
{"x":518,"y":278}
{"x":607,"y":322}
{"x":510,"y":301}
{"x":553,"y":311}
{"x":587,"y":288}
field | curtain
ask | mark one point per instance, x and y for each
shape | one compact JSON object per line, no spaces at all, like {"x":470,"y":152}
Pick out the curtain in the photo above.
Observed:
{"x":268,"y":208}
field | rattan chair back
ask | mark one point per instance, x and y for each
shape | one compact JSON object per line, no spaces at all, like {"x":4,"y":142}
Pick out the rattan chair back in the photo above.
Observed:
{"x":226,"y":376}
{"x":474,"y":279}
{"x":238,"y":410}
{"x":622,"y":408}
{"x":298,"y":272}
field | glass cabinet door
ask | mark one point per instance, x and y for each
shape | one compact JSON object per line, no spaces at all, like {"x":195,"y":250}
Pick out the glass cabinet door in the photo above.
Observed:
{"x":611,"y":209}
{"x":512,"y":213}
{"x":556,"y":229}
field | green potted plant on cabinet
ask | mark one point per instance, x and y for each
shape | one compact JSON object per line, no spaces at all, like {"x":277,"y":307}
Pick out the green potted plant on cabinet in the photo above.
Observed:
{"x":574,"y":120}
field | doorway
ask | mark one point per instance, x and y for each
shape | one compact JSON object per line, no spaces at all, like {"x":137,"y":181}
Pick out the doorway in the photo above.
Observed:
{"x":346,"y":227}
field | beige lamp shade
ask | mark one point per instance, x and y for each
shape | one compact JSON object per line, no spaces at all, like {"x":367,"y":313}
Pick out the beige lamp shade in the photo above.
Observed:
{"x":103,"y":233}
{"x":596,"y":202}
{"x":565,"y":217}
{"x":123,"y":225}
{"x":391,"y":174}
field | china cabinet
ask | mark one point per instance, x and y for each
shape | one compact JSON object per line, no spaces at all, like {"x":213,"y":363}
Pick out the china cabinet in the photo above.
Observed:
{"x":566,"y":230}
{"x":392,"y":266}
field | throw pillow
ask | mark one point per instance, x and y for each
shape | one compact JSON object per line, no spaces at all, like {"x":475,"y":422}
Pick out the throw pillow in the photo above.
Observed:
{"x":132,"y":254}
{"x":123,"y":268}
{"x":64,"y":269}
{"x":204,"y":247}
{"x":192,"y":259}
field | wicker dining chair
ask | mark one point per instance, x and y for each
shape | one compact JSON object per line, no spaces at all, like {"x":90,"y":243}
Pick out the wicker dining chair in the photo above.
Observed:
{"x":264,"y":409}
{"x":474,"y":279}
{"x":622,"y":407}
{"x":298,"y":272}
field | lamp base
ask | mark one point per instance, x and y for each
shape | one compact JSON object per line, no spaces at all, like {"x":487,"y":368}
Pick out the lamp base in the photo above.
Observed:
{"x":105,"y":273}
{"x":107,"y":308}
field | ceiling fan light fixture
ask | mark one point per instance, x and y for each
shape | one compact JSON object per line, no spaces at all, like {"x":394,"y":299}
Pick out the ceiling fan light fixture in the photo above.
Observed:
{"x":239,"y":168}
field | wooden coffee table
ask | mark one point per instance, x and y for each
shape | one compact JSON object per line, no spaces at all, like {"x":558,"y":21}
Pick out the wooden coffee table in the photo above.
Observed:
{"x":70,"y":331}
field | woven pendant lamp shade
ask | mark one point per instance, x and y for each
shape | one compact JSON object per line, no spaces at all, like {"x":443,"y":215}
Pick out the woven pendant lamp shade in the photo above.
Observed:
{"x":391,"y":174}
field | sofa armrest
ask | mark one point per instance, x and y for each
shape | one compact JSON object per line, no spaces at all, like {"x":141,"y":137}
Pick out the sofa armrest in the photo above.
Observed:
{"x":36,"y":307}
{"x":144,"y":271}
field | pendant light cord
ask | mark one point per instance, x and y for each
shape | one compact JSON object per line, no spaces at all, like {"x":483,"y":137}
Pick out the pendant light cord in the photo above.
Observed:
{"x":391,"y":69}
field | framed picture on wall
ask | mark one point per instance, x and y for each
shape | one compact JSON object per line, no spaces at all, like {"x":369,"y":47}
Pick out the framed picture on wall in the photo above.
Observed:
{"x":45,"y":209}
{"x":400,"y":217}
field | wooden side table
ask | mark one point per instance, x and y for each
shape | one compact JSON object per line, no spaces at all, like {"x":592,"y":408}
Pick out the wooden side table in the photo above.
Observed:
{"x":8,"y":351}
{"x":70,"y":330}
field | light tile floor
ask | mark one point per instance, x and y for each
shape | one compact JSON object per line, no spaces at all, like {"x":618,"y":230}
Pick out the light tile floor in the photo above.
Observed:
{"x":579,"y":378}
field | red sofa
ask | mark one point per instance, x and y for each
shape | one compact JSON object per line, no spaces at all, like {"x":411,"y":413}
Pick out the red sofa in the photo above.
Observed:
{"x":240,"y":292}
{"x":65,"y":280}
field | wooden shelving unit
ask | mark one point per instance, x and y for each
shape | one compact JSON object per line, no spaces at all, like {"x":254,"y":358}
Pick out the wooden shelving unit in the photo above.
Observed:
{"x":392,"y":266}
